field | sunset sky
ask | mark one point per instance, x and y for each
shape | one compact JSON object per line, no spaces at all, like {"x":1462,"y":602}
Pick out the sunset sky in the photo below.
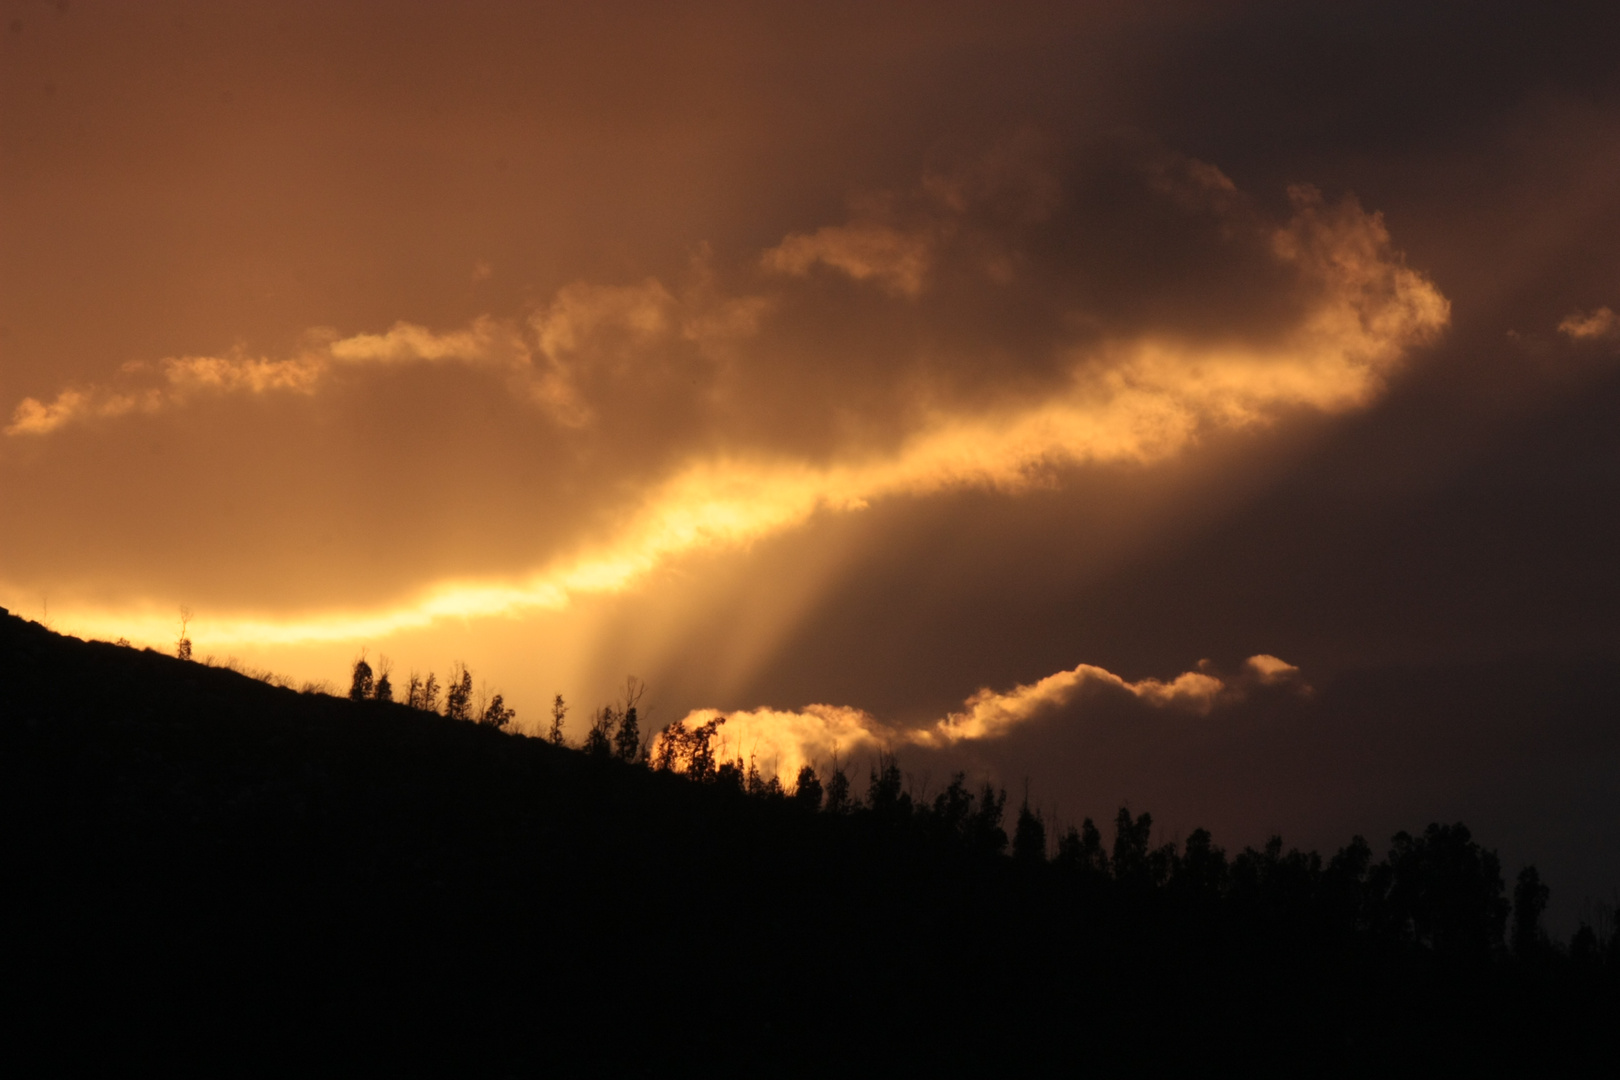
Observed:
{"x":1212,"y":406}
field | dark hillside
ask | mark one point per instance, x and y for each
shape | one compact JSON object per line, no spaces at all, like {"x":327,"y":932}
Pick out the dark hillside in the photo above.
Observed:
{"x":206,"y":871}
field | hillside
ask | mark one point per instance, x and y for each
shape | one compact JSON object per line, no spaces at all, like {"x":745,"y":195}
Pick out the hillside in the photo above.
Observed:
{"x":208,"y":870}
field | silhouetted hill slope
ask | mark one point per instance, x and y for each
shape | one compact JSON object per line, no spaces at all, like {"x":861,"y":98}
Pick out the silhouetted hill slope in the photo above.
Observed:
{"x":206,"y":871}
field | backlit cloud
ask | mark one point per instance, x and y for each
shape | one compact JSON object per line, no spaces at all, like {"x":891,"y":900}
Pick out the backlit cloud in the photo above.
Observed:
{"x":1138,"y":399}
{"x":892,"y":259}
{"x":780,"y":741}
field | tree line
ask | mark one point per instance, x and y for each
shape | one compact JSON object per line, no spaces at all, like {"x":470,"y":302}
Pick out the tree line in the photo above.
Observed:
{"x":459,"y":700}
{"x":1438,"y":890}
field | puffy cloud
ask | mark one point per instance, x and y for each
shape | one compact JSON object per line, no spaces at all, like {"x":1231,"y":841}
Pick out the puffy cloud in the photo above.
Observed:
{"x":1597,"y":324}
{"x":782,"y":741}
{"x":1269,"y":670}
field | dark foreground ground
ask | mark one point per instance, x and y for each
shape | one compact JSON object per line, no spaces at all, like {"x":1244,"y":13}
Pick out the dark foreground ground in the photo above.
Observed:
{"x":204,"y":873}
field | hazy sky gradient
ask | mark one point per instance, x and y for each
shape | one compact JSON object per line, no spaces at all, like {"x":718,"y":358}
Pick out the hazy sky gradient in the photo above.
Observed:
{"x":860,"y":356}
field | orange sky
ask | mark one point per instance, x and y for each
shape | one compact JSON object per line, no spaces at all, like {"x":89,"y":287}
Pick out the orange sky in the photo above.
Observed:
{"x":864,"y":357}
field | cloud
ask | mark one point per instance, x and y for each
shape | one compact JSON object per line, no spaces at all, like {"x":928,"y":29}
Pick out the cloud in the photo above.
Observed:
{"x":896,"y":261}
{"x":782,"y":741}
{"x":1595,"y":325}
{"x":186,"y":375}
{"x":1136,"y":398}
{"x":551,"y":358}
{"x":588,"y":328}
{"x":181,"y":378}
{"x":486,"y":341}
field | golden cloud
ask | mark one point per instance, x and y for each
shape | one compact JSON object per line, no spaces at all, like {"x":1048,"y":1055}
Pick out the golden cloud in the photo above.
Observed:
{"x":782,"y":741}
{"x":894,"y":260}
{"x":1138,"y":399}
{"x":182,"y":378}
{"x":1592,"y":325}
{"x":486,"y":341}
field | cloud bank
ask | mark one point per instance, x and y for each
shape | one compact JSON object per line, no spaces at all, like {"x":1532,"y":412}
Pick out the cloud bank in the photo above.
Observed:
{"x":672,"y":375}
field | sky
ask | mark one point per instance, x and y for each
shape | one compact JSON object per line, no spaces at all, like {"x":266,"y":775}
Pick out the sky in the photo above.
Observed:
{"x":1205,"y":406}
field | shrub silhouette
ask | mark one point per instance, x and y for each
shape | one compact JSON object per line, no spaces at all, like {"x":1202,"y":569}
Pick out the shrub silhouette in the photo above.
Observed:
{"x":182,"y":646}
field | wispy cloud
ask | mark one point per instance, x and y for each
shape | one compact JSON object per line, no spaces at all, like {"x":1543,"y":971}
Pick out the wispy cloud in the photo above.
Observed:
{"x":178,"y":379}
{"x":784,"y":740}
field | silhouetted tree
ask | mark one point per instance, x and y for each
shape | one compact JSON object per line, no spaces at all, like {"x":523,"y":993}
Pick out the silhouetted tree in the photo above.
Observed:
{"x":700,"y":757}
{"x":599,"y":739}
{"x":1348,"y":888}
{"x":458,"y":694}
{"x":384,"y":689}
{"x":838,"y":794}
{"x":807,"y":789}
{"x":884,"y":795}
{"x":1446,"y":891}
{"x":423,"y":693}
{"x":1029,"y":836}
{"x":559,"y":709}
{"x":984,"y":829}
{"x":182,"y":647}
{"x":1202,"y":869}
{"x":496,"y":714}
{"x":754,"y":781}
{"x":1583,"y":945}
{"x":1276,"y":883}
{"x":1529,"y":901}
{"x":1081,"y":851}
{"x":1130,"y":858}
{"x":730,"y":774}
{"x":361,"y":686}
{"x":627,"y":742}
{"x":948,"y":817}
{"x":689,"y":750}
